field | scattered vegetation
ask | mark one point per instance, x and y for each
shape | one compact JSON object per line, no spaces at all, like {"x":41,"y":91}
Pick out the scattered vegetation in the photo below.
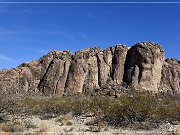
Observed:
{"x":7,"y":101}
{"x":13,"y":127}
{"x":137,"y":107}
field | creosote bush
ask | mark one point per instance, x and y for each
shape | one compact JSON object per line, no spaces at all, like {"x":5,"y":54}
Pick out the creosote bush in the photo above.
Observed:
{"x":9,"y":102}
{"x":139,"y":106}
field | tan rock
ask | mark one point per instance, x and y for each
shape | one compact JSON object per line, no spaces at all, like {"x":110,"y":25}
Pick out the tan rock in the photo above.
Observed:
{"x":140,"y":66}
{"x":143,"y":66}
{"x":170,"y":80}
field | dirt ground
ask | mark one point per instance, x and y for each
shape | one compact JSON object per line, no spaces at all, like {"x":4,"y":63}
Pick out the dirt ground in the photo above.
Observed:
{"x":68,"y":125}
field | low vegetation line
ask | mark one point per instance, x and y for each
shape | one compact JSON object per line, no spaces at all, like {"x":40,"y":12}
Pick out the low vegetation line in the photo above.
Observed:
{"x":129,"y":108}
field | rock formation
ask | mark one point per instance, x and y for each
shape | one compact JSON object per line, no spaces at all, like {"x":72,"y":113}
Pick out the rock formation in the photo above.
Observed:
{"x":170,"y":79}
{"x":141,"y":66}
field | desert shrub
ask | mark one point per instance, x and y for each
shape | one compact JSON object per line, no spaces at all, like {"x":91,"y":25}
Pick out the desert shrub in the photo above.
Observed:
{"x":9,"y":104}
{"x":138,"y":106}
{"x":7,"y":101}
{"x":141,"y":106}
{"x":168,"y":108}
{"x":129,"y":108}
{"x":52,"y":105}
{"x":13,"y":127}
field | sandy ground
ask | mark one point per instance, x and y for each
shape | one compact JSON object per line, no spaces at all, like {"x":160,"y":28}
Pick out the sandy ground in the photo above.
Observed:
{"x":70,"y":126}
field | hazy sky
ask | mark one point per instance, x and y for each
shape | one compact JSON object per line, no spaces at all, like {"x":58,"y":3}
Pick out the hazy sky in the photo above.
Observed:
{"x":28,"y":31}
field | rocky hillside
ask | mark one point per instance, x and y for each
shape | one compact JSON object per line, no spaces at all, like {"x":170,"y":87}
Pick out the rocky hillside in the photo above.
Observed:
{"x":141,"y":66}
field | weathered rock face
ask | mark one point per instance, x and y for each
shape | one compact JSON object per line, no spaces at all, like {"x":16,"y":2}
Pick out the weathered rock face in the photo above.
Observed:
{"x":54,"y":79}
{"x":141,"y":66}
{"x":93,"y":68}
{"x":63,"y":72}
{"x":26,"y":77}
{"x":170,"y":80}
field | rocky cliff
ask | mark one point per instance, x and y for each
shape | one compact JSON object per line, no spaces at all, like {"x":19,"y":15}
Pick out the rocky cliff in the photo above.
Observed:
{"x":141,"y":66}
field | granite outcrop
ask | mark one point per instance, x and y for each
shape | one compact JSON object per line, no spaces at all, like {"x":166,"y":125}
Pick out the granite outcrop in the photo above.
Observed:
{"x":141,"y":66}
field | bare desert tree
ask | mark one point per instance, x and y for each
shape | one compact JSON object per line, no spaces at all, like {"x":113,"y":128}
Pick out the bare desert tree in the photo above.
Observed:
{"x":9,"y":101}
{"x":6,"y":101}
